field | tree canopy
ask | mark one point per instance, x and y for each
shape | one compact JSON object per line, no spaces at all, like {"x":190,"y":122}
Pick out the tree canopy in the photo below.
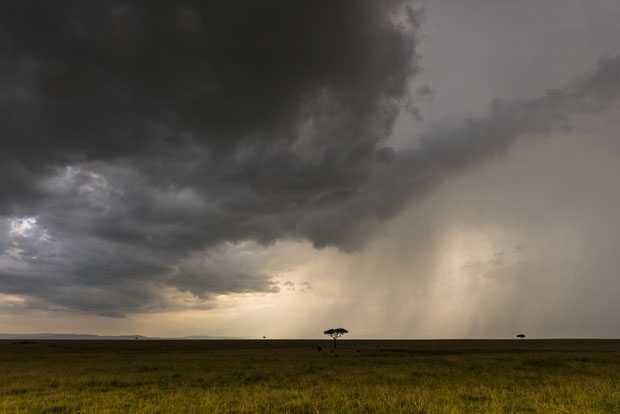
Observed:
{"x":335,"y":333}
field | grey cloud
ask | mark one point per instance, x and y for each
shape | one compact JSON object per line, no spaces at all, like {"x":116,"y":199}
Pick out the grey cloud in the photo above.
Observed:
{"x":165,"y":131}
{"x":303,"y":286}
{"x":5,"y":240}
{"x":509,"y":120}
{"x":208,"y":276}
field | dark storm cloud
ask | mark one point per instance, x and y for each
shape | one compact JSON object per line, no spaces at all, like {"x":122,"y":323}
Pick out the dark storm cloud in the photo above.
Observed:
{"x":141,"y":132}
{"x":150,"y":139}
{"x":114,"y":79}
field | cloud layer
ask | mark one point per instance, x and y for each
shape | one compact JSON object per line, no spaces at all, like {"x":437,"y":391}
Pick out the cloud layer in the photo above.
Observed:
{"x":145,"y":143}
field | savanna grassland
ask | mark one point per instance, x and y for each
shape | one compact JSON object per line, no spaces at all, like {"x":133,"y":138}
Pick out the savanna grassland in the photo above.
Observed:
{"x":217,"y":376}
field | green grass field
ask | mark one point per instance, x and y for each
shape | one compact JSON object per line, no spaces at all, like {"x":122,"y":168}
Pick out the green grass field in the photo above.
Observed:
{"x":548,"y":376}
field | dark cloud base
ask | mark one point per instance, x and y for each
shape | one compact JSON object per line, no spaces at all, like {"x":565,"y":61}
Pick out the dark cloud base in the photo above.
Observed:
{"x":146,"y":137}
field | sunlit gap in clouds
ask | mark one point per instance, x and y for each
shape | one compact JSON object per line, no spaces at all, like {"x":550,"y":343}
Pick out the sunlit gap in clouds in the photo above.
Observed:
{"x":19,"y":226}
{"x":23,"y":232}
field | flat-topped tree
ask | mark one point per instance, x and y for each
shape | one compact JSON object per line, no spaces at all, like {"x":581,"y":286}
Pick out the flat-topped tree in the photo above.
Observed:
{"x":521,"y":336}
{"x":335,"y":333}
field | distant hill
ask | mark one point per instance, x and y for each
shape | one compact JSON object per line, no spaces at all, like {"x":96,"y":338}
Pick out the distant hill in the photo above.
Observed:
{"x":98,"y":337}
{"x":69,"y":336}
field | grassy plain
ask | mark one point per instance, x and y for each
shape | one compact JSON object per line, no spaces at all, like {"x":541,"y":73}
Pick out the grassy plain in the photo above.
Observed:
{"x":218,"y":376}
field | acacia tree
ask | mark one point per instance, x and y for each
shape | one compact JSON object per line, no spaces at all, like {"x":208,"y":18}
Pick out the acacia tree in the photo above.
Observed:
{"x":335,"y":333}
{"x":521,"y":336}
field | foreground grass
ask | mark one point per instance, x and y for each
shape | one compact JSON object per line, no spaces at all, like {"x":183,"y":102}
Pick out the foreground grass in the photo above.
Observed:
{"x":568,"y":376}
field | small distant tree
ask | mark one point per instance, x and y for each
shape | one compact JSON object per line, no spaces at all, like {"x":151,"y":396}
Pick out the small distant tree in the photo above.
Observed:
{"x":335,"y":333}
{"x":521,"y":336}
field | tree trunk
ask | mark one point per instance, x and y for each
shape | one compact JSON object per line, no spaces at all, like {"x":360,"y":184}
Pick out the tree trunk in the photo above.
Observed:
{"x":334,"y":343}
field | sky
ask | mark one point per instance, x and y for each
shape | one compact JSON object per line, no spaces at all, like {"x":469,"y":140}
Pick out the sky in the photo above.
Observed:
{"x":402,"y":169}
